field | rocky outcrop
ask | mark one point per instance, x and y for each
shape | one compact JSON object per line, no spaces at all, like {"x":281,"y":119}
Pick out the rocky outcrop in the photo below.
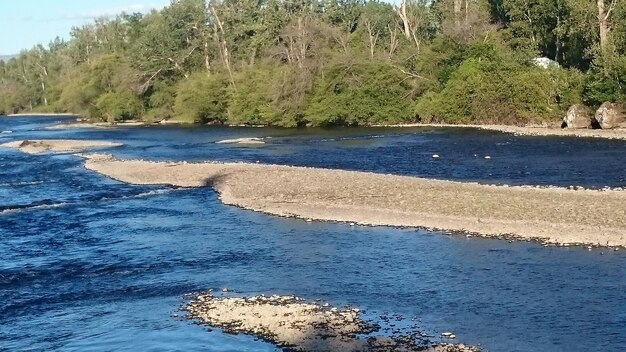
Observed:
{"x":578,"y":116}
{"x":610,"y":115}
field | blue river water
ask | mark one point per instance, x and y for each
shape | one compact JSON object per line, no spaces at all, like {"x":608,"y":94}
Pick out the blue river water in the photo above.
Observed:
{"x":92,"y":264}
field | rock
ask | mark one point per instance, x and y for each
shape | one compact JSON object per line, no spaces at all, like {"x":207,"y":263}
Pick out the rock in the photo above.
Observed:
{"x":611,"y":115}
{"x":578,"y":116}
{"x":250,"y":140}
{"x":545,"y":62}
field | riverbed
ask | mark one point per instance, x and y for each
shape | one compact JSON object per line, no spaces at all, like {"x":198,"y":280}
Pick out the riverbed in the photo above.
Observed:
{"x":90,"y":263}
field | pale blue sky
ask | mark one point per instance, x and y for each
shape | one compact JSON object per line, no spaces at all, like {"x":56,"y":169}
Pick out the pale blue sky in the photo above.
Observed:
{"x":25,"y":23}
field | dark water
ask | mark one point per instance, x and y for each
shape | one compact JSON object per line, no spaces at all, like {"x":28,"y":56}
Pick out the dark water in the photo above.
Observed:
{"x":91,"y":264}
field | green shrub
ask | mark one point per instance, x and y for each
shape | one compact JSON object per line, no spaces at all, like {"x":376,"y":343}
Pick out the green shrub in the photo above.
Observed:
{"x":252,"y":103}
{"x":360,"y":94}
{"x":201,"y":99}
{"x":501,"y":92}
{"x":118,"y":106}
{"x":607,"y":80}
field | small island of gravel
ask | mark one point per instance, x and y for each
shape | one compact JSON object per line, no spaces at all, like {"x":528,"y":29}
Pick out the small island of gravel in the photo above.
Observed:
{"x":552,"y":215}
{"x":297,"y":325}
{"x":57,"y":145}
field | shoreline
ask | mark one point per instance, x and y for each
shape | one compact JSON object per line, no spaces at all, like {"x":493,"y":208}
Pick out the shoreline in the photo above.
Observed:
{"x":41,"y":114}
{"x":543,"y":131}
{"x":552,"y":216}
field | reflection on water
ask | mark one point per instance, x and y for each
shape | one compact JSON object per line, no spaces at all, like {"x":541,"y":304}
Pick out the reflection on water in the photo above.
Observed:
{"x":105,"y":270}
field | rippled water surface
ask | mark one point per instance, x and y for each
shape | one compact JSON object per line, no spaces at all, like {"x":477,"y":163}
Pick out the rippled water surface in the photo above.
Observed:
{"x":91,"y":264}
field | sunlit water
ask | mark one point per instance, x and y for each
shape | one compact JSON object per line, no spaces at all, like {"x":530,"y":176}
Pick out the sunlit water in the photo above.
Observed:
{"x":91,"y":264}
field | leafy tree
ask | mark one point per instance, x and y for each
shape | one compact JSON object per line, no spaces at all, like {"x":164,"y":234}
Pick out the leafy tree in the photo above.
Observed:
{"x":329,"y":62}
{"x":202,"y":99}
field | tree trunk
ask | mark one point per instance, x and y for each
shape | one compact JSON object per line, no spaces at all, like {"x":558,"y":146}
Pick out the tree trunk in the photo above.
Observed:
{"x":603,"y":15}
{"x":303,"y":45}
{"x":393,"y":40}
{"x":224,"y":47}
{"x":401,"y":11}
{"x":557,"y":37}
{"x":207,"y":62}
{"x":43,"y":90}
{"x":457,"y":12}
{"x":373,"y":38}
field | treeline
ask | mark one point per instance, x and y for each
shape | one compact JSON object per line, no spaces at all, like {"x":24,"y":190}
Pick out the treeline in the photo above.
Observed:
{"x":331,"y":62}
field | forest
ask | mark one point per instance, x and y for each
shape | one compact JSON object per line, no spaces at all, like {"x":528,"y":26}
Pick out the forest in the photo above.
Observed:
{"x":299,"y":63}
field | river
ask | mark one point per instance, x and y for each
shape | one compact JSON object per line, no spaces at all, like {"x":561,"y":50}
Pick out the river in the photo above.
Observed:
{"x":92,"y":264}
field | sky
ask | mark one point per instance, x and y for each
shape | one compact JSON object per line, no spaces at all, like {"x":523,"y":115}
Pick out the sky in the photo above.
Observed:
{"x":25,"y":23}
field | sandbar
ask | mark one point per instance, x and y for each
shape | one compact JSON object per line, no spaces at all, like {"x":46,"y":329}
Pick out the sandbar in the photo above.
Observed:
{"x":551,"y":215}
{"x":57,"y":145}
{"x":292,"y":323}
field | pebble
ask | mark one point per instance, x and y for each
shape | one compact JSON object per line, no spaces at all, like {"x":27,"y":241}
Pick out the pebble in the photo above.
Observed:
{"x":448,"y":335}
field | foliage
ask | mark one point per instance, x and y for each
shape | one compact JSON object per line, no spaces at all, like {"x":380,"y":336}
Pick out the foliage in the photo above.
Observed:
{"x":488,"y":87}
{"x":202,"y":99}
{"x":359,"y":94}
{"x":118,"y":106}
{"x":329,"y":62}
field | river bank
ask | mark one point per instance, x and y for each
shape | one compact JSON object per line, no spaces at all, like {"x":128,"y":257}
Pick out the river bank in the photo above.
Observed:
{"x":619,"y":133}
{"x":35,"y":114}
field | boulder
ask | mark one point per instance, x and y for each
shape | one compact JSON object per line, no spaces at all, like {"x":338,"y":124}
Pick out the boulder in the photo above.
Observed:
{"x":610,"y":115}
{"x":578,"y":116}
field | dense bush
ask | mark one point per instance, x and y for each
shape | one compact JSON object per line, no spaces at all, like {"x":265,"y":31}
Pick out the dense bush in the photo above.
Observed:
{"x":202,"y":99}
{"x":118,"y":106}
{"x":360,"y":94}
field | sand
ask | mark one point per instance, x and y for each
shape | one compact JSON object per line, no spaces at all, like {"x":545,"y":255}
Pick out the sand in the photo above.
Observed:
{"x":58,"y":145}
{"x":618,"y":133}
{"x":290,"y":322}
{"x":550,"y":215}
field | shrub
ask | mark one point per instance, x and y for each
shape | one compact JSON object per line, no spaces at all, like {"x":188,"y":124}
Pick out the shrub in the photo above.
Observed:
{"x":118,"y":106}
{"x":360,"y":94}
{"x":201,"y":98}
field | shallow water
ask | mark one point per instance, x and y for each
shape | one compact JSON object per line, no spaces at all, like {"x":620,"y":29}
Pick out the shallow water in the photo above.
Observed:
{"x":91,"y":264}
